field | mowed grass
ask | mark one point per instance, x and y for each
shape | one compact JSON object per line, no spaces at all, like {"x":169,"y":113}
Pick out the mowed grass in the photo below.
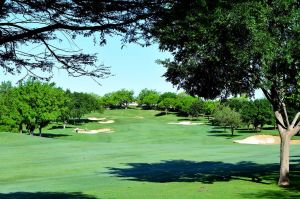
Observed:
{"x":144,"y":158}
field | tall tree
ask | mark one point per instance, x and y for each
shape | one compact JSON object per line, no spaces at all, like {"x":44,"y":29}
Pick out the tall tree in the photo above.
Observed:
{"x":42,"y":24}
{"x":10,"y":117}
{"x":118,"y":99}
{"x":148,"y":99}
{"x":41,"y":103}
{"x":225,"y":116}
{"x":224,"y":48}
{"x":82,"y":103}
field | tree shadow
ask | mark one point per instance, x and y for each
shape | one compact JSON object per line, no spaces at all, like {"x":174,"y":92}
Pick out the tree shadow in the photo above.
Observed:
{"x":246,"y":131}
{"x":59,"y":127}
{"x":53,"y":135}
{"x":45,"y":195}
{"x":189,"y":119}
{"x":226,"y":135}
{"x":190,"y":171}
{"x":216,"y":131}
{"x":160,"y":114}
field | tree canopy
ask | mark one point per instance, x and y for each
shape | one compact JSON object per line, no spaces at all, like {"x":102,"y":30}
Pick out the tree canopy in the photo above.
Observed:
{"x":224,"y":48}
{"x":41,"y":25}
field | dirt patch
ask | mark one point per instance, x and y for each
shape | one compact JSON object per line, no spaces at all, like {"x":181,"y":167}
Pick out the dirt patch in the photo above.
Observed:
{"x":107,"y":122}
{"x":263,"y":139}
{"x":187,"y":123}
{"x":104,"y":130}
{"x":96,"y":119}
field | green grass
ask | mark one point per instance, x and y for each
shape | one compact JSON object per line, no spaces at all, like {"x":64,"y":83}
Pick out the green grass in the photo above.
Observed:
{"x":143,"y":158}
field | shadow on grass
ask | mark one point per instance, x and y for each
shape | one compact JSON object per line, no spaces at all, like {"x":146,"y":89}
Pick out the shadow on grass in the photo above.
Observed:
{"x":59,"y":127}
{"x":190,"y":119}
{"x":226,"y":135}
{"x":160,"y":114}
{"x":45,"y":195}
{"x":52,"y":135}
{"x":216,"y":131}
{"x":246,"y":131}
{"x":190,"y":171}
{"x":206,"y":172}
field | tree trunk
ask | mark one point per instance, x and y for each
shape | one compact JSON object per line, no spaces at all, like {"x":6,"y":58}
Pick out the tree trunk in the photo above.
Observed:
{"x":21,"y":128}
{"x":232,"y":130}
{"x":285,"y":139}
{"x":40,"y":131}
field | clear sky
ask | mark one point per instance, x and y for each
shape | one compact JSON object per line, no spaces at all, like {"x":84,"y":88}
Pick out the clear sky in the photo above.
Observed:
{"x":133,"y":67}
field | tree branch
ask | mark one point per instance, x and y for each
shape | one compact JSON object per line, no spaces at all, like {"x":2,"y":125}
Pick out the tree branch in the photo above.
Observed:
{"x":279,"y":119}
{"x":286,"y":115}
{"x":57,"y":26}
{"x":295,"y":119}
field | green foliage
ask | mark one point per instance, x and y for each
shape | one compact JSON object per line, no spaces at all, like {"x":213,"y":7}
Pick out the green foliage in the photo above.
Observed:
{"x":167,"y":104}
{"x":40,"y":103}
{"x":10,"y":117}
{"x":184,"y":102}
{"x":83,"y":103}
{"x":264,"y":113}
{"x":209,"y":106}
{"x":148,"y":99}
{"x":196,"y":108}
{"x":225,"y":116}
{"x":227,"y":48}
{"x":118,"y":99}
{"x":167,"y":95}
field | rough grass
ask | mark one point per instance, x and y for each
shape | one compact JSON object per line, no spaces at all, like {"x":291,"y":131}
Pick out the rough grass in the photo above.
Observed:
{"x":143,"y":158}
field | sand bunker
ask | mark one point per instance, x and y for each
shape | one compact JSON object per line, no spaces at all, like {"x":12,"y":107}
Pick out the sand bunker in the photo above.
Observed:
{"x":107,"y":122}
{"x":96,"y":119}
{"x":263,"y":139}
{"x":104,"y":130}
{"x":187,"y":123}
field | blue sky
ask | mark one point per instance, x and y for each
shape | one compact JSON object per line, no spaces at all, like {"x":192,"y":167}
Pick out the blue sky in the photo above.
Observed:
{"x":133,"y":67}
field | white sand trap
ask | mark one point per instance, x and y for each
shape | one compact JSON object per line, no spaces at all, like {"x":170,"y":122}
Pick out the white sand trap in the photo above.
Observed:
{"x":187,"y":123}
{"x":96,"y":118}
{"x":263,"y":139}
{"x":84,"y":131}
{"x":107,"y":122}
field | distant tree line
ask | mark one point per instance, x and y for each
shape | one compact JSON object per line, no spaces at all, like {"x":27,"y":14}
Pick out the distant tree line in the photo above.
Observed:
{"x":232,"y":112}
{"x":33,"y":105}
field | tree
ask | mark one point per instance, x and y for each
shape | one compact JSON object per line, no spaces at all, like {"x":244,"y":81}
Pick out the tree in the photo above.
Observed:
{"x":41,"y":103}
{"x":118,"y":99}
{"x":227,"y":117}
{"x":263,"y":113}
{"x":83,"y":103}
{"x":167,"y":104}
{"x":184,"y":102}
{"x":224,"y":48}
{"x":148,"y":99}
{"x":236,"y":103}
{"x":248,"y":113}
{"x":41,"y":24}
{"x":10,"y":118}
{"x":124,"y":97}
{"x":196,"y":108}
{"x":209,"y":107}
